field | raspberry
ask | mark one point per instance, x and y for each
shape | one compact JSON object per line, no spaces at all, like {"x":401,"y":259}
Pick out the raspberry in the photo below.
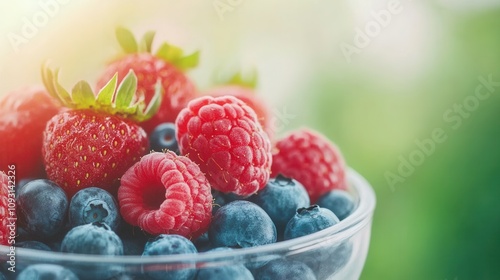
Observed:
{"x":250,"y":97}
{"x":223,"y":135}
{"x":4,"y":210}
{"x":311,"y":159}
{"x":166,"y":194}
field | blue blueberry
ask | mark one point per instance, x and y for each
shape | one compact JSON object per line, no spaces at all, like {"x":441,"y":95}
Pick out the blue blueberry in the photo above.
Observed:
{"x":91,"y":205}
{"x":94,"y":239}
{"x":241,"y":224}
{"x":327,"y":260}
{"x":42,"y":207}
{"x":285,"y":269}
{"x":229,"y":272}
{"x":169,"y":244}
{"x":163,"y":138}
{"x":32,"y":244}
{"x":309,"y":220}
{"x":21,"y":264}
{"x":23,"y":182}
{"x":46,"y":271}
{"x":340,"y":202}
{"x":23,"y":234}
{"x":280,"y":199}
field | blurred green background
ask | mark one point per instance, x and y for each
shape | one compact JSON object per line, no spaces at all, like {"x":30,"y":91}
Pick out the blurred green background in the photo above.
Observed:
{"x":403,"y":79}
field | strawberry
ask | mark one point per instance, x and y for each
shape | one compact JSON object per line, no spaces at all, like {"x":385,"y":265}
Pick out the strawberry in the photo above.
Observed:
{"x":223,"y":136}
{"x":23,"y":115}
{"x":96,"y":141}
{"x":244,"y":90}
{"x":310,"y":158}
{"x":167,"y":64}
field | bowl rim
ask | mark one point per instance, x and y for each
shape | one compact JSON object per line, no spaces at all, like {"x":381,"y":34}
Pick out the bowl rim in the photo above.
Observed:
{"x":360,"y":218}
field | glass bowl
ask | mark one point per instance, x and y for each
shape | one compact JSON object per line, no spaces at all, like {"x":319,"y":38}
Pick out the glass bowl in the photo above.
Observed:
{"x":338,"y":252}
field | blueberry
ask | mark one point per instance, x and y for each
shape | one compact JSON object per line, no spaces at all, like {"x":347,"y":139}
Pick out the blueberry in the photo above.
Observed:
{"x":309,"y":220}
{"x":94,"y":239}
{"x":23,"y":234}
{"x":241,"y":224}
{"x":42,"y":206}
{"x":326,"y":260}
{"x":23,"y":182}
{"x":46,"y":271}
{"x":280,"y":199}
{"x":32,"y":244}
{"x":285,"y":269}
{"x":163,"y":138}
{"x":340,"y":202}
{"x":169,"y":244}
{"x":230,"y":272}
{"x":94,"y":205}
{"x":21,"y":263}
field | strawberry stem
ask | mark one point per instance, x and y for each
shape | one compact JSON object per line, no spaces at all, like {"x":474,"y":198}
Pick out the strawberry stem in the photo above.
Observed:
{"x":168,"y":52}
{"x":248,"y":79}
{"x":121,"y":100}
{"x":126,"y":40}
{"x":146,"y":42}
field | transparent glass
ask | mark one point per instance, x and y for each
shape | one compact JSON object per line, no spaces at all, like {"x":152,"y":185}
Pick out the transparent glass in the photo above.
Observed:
{"x":338,"y":252}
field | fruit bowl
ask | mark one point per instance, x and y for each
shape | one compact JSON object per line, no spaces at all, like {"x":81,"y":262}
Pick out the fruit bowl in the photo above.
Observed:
{"x":338,"y":252}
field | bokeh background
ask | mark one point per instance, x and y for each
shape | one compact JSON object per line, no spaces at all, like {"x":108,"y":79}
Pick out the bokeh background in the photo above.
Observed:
{"x":376,"y":95}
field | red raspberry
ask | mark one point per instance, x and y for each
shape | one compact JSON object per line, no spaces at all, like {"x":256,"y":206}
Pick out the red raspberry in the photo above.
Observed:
{"x":166,"y":193}
{"x":223,"y":135}
{"x":4,"y":210}
{"x":311,"y":159}
{"x":250,"y":97}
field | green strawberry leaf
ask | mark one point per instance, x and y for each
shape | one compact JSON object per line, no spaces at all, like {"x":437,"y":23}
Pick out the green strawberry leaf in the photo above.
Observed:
{"x":248,"y":80}
{"x":48,"y":81}
{"x":169,"y":52}
{"x":124,"y":101}
{"x":146,"y":42}
{"x":83,"y":95}
{"x":155,"y":102}
{"x":126,"y":90}
{"x":188,"y":62}
{"x":62,"y":94}
{"x":106,"y":94}
{"x":126,"y":40}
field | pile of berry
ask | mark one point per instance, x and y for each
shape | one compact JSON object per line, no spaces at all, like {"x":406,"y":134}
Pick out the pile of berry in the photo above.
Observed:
{"x":147,"y":165}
